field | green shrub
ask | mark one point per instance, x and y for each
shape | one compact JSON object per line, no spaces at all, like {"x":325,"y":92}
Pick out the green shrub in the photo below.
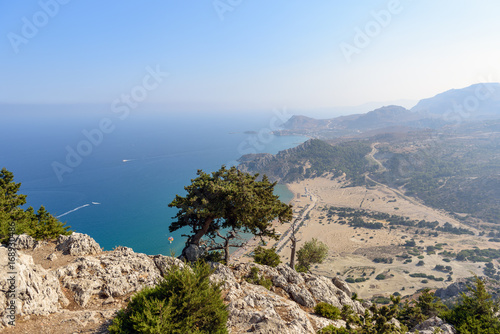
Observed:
{"x":375,"y":320}
{"x":301,"y":269}
{"x":383,"y":260}
{"x":355,"y":280}
{"x":267,"y":257}
{"x":327,"y":310}
{"x":413,"y":252}
{"x":312,"y":252}
{"x":214,"y":256}
{"x":478,"y":255}
{"x":381,"y":300}
{"x":349,"y":316}
{"x":447,"y":254}
{"x":255,"y":278}
{"x":185,"y":301}
{"x":410,"y":243}
{"x":380,"y":277}
{"x":331,"y":329}
{"x":432,"y":277}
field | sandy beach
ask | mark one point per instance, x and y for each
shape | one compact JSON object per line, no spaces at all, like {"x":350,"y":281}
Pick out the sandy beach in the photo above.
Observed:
{"x":352,"y":250}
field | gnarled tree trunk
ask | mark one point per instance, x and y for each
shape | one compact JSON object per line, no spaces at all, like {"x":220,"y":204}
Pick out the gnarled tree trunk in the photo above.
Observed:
{"x":292,"y":255}
{"x":293,"y":239}
{"x":197,"y":237}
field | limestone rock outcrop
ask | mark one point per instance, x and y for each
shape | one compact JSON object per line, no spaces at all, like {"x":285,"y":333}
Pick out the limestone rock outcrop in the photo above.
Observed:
{"x":191,"y":253}
{"x":97,"y":283}
{"x":110,"y":274}
{"x":165,"y":263}
{"x":24,"y":241}
{"x":453,"y":290}
{"x":36,"y":290}
{"x":286,"y":308}
{"x":434,"y":325}
{"x":78,"y":244}
{"x":342,"y":285}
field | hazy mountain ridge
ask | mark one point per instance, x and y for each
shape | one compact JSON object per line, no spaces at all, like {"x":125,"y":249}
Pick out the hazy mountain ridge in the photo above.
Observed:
{"x":479,"y":101}
{"x":473,"y":103}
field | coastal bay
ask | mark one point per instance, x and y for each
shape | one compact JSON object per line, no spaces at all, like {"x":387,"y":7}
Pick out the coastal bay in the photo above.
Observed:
{"x":119,"y":193}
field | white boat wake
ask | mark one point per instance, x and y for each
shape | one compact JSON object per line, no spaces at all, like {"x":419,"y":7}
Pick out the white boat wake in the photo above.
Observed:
{"x":96,"y":203}
{"x":70,"y":211}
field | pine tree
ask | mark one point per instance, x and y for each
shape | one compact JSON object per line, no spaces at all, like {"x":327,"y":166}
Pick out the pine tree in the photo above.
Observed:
{"x":15,"y":220}
{"x":228,"y":200}
{"x":476,"y":313}
{"x":426,"y":306}
{"x":11,"y":215}
{"x":45,"y":226}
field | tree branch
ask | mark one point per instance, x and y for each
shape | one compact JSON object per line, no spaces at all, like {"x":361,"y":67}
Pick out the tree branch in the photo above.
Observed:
{"x":220,"y":236}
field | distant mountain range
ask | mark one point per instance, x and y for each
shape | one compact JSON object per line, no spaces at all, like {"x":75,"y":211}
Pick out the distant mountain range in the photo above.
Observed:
{"x":473,"y":103}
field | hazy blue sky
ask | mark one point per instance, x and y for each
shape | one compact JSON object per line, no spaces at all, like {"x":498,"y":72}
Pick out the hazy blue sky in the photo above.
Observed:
{"x":242,"y":54}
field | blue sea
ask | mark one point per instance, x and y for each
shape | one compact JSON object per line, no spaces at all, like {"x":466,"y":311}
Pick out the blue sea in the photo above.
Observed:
{"x":113,"y":178}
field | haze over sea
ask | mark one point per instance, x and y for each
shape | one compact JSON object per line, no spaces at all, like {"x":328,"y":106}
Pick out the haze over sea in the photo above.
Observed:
{"x":119,"y":192}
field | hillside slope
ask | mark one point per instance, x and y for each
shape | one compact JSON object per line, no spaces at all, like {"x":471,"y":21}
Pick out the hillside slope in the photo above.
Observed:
{"x":311,"y":159}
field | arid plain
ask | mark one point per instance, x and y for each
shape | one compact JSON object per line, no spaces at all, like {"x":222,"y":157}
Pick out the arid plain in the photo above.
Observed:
{"x":353,"y":249}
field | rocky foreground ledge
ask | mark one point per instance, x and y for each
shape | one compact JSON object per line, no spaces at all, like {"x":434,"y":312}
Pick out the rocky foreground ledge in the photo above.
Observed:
{"x":72,"y":286}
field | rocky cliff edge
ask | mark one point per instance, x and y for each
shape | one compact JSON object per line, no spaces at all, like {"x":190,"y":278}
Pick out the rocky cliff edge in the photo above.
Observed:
{"x":71,"y":286}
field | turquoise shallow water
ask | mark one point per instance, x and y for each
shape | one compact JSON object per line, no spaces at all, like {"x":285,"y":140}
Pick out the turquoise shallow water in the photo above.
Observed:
{"x":119,"y":192}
